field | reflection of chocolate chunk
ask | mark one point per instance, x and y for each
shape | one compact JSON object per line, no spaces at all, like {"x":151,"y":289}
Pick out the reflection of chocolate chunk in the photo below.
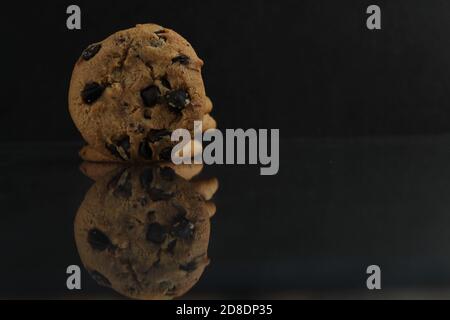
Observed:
{"x":146,"y":178}
{"x":167,"y":173}
{"x":156,"y":233}
{"x":145,"y":151}
{"x":91,"y":51}
{"x":123,"y":187}
{"x":100,"y":279}
{"x":124,"y":190}
{"x":98,"y":240}
{"x":167,"y":285}
{"x":189,"y":267}
{"x":166,"y":154}
{"x":91,"y":92}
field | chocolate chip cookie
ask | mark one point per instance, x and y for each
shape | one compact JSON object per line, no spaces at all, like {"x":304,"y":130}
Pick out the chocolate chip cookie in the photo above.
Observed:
{"x":129,"y":92}
{"x":144,"y":231}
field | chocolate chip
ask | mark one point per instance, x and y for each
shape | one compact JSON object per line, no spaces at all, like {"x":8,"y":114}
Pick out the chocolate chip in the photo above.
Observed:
{"x":161,"y":31}
{"x":91,"y":51}
{"x":145,"y":151}
{"x":146,"y":178}
{"x":189,"y":267}
{"x":91,"y":92}
{"x":177,"y":99}
{"x":100,"y":279}
{"x":183,"y":229}
{"x":155,"y":135}
{"x":156,"y":233}
{"x":165,"y":82}
{"x":167,"y":173}
{"x":166,"y":154}
{"x":181,"y":59}
{"x":98,"y":240}
{"x":150,"y":96}
{"x":113,"y":150}
{"x":124,"y":143}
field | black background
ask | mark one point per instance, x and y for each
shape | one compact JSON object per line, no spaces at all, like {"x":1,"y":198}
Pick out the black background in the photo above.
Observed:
{"x":310,"y":68}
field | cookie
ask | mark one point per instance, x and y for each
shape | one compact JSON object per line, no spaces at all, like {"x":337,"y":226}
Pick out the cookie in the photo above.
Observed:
{"x":129,"y":92}
{"x":144,"y":231}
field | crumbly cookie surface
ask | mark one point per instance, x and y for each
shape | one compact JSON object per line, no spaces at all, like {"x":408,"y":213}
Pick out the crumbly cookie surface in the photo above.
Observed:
{"x":130,"y":91}
{"x":144,"y":231}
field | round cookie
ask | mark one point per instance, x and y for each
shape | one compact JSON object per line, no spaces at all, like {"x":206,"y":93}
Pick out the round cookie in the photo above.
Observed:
{"x":144,"y":231}
{"x":130,"y":91}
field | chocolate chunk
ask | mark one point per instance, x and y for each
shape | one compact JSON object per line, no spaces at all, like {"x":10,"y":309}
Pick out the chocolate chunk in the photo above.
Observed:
{"x":161,"y":31}
{"x":183,"y":229}
{"x":165,"y":82}
{"x":188,"y":267}
{"x":156,"y":233}
{"x":150,"y":96}
{"x":145,"y":151}
{"x":155,"y":135}
{"x":91,"y":92}
{"x":146,"y":178}
{"x":177,"y":99}
{"x":120,"y":148}
{"x":113,"y":150}
{"x":167,"y":173}
{"x":91,"y":51}
{"x":166,"y":154}
{"x":100,"y":279}
{"x":98,"y":240}
{"x":181,"y":59}
{"x":124,"y":144}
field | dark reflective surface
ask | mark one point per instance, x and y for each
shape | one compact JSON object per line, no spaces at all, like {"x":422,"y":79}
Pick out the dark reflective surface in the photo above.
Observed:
{"x":336,"y":207}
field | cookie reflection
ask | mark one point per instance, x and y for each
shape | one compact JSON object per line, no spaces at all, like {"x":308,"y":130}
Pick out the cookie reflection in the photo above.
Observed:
{"x":144,"y":231}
